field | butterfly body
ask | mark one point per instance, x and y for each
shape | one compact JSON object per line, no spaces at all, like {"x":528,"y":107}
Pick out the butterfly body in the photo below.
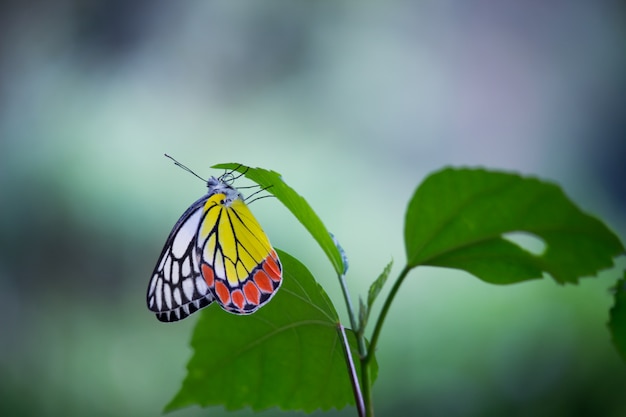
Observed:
{"x":217,"y":251}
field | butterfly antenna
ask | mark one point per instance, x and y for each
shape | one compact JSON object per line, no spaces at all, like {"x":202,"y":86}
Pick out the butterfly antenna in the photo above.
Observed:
{"x":229,"y":177}
{"x":241,"y":173}
{"x":248,"y":201}
{"x":184,"y":167}
{"x":259,"y":198}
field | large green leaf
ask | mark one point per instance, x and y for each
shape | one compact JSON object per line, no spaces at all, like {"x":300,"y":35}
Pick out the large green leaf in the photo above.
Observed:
{"x":617,"y":321}
{"x":287,"y":354}
{"x":457,"y":219}
{"x":273,"y":182}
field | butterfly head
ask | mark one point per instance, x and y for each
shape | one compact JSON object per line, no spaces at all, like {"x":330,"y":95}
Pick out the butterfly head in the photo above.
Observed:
{"x":219,"y":186}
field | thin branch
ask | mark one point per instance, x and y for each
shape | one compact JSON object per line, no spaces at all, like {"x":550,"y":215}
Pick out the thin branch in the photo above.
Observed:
{"x":354,"y":379}
{"x":353,"y":323}
{"x":366,"y":382}
{"x":383,"y":315}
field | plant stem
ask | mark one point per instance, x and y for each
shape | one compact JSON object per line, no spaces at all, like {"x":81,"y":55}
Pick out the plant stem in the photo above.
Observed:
{"x":363,"y":397}
{"x":365,"y":362}
{"x":366,"y":359}
{"x":366,"y":378}
{"x":354,"y":379}
{"x":351,"y":314}
{"x":346,"y":296}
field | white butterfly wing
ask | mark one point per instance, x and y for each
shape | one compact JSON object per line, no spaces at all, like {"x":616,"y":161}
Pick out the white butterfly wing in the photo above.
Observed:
{"x":177,"y":287}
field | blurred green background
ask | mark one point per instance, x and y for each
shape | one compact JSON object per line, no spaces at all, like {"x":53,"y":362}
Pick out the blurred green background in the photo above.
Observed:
{"x":354,"y":104}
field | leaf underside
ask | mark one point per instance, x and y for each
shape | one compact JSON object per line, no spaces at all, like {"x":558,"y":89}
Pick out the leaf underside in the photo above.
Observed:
{"x":457,"y":219}
{"x":288,"y":354}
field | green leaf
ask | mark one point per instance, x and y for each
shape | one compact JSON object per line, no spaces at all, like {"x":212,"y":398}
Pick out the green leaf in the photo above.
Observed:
{"x":457,"y":219}
{"x":378,"y":285}
{"x":617,"y":320}
{"x":287,"y":354}
{"x":275,"y":185}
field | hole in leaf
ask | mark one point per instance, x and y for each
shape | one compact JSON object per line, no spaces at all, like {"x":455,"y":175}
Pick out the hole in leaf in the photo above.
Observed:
{"x":527,"y":241}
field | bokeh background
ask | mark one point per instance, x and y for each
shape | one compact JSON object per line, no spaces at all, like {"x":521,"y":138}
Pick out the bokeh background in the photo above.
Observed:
{"x":354,"y":104}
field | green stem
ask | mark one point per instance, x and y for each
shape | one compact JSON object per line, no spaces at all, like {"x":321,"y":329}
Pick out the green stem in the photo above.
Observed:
{"x":354,"y":379}
{"x":346,"y":296}
{"x":352,"y":316}
{"x":366,"y":378}
{"x":362,"y":392}
{"x":366,"y":359}
{"x":381,"y":318}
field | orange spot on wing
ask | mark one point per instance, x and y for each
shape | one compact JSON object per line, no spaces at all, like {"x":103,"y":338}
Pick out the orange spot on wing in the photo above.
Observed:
{"x":271,"y":267}
{"x":208,"y":275}
{"x":263,"y":281}
{"x":252,"y":293}
{"x":222,"y":292}
{"x":238,"y":299}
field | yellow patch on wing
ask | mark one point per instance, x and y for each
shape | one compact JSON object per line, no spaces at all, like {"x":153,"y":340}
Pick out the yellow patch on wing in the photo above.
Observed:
{"x":235,"y":242}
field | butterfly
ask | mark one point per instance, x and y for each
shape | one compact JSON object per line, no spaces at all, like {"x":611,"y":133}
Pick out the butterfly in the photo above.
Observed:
{"x":217,"y":251}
